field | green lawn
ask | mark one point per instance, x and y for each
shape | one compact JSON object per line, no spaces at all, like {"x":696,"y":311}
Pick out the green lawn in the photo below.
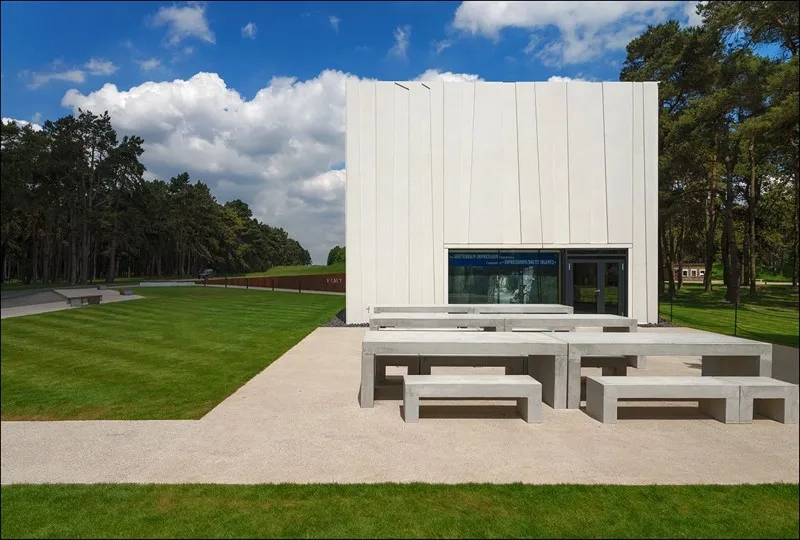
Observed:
{"x":784,"y":275}
{"x":396,"y":510}
{"x":173,"y":355}
{"x":315,"y":269}
{"x":771,"y":316}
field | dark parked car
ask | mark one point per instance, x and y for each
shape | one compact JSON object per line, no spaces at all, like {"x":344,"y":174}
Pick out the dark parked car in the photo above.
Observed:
{"x":205,"y":274}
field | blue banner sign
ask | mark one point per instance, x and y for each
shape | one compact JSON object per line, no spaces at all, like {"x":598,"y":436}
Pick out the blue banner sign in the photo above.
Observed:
{"x":502,"y":258}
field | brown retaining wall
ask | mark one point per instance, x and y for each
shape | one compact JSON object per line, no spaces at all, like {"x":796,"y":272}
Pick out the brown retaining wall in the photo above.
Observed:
{"x":319,"y":282}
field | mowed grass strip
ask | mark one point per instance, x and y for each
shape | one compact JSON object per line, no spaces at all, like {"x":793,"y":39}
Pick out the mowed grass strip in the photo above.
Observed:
{"x":172,"y":355}
{"x":399,"y":511}
{"x":770,"y":316}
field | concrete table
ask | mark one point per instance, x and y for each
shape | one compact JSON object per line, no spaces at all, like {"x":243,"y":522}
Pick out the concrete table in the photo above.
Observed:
{"x":721,"y":355}
{"x":472,"y":308}
{"x":557,"y":321}
{"x":425,"y":321}
{"x":502,"y":321}
{"x":544,"y":358}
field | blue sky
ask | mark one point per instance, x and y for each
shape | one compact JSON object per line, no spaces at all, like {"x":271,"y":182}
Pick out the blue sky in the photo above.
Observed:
{"x":187,"y":77}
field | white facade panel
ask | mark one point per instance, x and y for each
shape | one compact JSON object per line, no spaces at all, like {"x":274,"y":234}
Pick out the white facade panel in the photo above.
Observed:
{"x":421,"y":271}
{"x":650,"y":91}
{"x":384,"y":191}
{"x":618,"y":122}
{"x":638,"y":254}
{"x":551,"y":125}
{"x":485,"y":203}
{"x":352,"y":155}
{"x":437,"y":166}
{"x":437,"y":187}
{"x":528,"y":162}
{"x":586,"y":151}
{"x":367,"y":152}
{"x":401,"y":163}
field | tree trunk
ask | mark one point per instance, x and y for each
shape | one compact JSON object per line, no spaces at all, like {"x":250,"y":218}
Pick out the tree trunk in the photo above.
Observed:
{"x":711,"y":217}
{"x":754,"y":196}
{"x":112,"y":262}
{"x":73,"y":253}
{"x":732,"y":255}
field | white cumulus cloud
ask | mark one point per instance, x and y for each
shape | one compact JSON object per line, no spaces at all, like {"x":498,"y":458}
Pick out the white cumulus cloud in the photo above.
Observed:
{"x":149,"y":64}
{"x":559,"y":78}
{"x":96,"y":66}
{"x":447,"y":76}
{"x":586,"y":29}
{"x":38,"y":79}
{"x":183,"y":22}
{"x":402,"y":35}
{"x":249,"y":30}
{"x":274,"y":151}
{"x":35,"y":126}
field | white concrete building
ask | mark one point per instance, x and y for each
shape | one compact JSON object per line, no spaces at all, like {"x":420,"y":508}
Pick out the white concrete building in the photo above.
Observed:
{"x":461,"y":192}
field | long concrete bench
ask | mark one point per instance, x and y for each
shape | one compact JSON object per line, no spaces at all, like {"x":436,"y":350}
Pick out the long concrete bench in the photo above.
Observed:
{"x":720,"y":355}
{"x":543,"y":357}
{"x":766,"y":396}
{"x":526,"y":390}
{"x":77,"y":301}
{"x":717,"y":398}
{"x":472,"y":308}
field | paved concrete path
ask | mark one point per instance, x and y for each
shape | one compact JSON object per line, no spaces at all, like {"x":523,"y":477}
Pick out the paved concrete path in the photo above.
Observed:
{"x":109,"y":295}
{"x":299,"y":421}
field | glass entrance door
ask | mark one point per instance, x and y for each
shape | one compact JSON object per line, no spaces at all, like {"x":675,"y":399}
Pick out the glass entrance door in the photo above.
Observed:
{"x":585,"y":292}
{"x":598,"y":286}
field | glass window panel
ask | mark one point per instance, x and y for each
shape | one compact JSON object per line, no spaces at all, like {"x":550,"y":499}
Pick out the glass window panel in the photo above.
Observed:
{"x":504,"y":277}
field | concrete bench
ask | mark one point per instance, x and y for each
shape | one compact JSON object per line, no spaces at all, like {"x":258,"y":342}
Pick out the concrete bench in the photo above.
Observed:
{"x":543,"y":357}
{"x":526,"y":390}
{"x":766,"y":396}
{"x":716,"y":397}
{"x":126,"y":291}
{"x":721,"y":356}
{"x":77,"y":301}
{"x":612,"y":366}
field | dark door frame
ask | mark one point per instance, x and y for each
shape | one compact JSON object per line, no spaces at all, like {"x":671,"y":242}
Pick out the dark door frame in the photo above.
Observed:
{"x":600,"y":259}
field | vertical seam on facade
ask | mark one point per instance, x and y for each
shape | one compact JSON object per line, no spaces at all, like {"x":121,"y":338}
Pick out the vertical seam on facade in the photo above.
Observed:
{"x":644,"y":178}
{"x":519,"y":175}
{"x":393,"y":292}
{"x":408,"y":204}
{"x":538,"y":164}
{"x":569,"y":198}
{"x":375,"y":201}
{"x":471,"y":159}
{"x":433,"y":210}
{"x":605,"y":156}
{"x":632,"y":249}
